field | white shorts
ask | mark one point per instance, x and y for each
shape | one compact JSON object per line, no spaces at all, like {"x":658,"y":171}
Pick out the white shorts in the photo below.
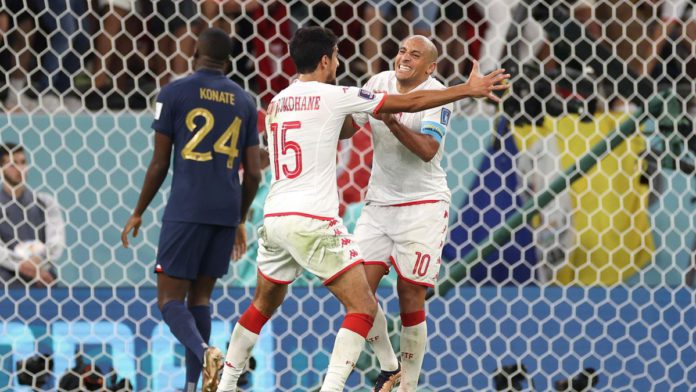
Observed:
{"x":408,"y":237}
{"x":291,"y":242}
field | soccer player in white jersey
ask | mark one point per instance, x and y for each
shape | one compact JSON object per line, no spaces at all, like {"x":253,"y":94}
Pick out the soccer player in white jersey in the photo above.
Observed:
{"x":301,"y":227}
{"x":404,"y":222}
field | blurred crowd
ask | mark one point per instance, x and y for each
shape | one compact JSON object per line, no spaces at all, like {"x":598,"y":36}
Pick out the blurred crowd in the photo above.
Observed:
{"x":115,"y":54}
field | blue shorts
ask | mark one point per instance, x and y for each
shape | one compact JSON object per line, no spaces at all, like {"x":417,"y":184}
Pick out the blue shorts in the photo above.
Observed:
{"x":189,"y":250}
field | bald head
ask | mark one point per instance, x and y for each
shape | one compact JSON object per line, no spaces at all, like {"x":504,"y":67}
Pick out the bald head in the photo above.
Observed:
{"x":429,"y":49}
{"x":214,"y":44}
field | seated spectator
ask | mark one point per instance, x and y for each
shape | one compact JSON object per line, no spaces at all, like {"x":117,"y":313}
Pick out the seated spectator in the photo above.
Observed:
{"x":32,"y":231}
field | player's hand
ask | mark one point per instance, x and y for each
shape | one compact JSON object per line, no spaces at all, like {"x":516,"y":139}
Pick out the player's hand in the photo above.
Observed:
{"x":240,"y":243}
{"x":384,"y":117}
{"x":133,"y":223}
{"x":484,"y":86}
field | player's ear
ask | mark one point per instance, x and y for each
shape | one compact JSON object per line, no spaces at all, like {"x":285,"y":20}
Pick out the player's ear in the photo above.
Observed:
{"x":431,"y":68}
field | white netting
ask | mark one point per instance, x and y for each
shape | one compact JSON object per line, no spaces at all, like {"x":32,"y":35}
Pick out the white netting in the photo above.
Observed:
{"x":599,"y":276}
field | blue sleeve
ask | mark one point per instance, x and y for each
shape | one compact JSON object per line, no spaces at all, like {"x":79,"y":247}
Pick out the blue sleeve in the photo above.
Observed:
{"x":164,"y":114}
{"x":252,"y":132}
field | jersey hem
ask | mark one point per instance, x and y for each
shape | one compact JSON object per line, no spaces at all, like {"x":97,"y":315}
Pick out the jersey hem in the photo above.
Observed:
{"x":379,"y":105}
{"x":317,"y":217}
{"x":405,"y":279}
{"x":276,"y":281}
{"x":341,"y":272}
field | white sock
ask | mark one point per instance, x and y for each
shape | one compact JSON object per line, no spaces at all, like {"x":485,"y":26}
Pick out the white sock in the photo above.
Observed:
{"x":413,"y":340}
{"x":238,"y":353}
{"x":378,"y":337}
{"x":346,"y":351}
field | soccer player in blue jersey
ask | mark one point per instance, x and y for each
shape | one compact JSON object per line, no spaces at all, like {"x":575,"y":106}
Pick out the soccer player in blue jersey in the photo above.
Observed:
{"x":209,"y":124}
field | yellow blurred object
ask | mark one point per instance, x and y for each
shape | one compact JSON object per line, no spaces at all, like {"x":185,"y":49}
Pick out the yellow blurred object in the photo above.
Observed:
{"x":610,"y":215}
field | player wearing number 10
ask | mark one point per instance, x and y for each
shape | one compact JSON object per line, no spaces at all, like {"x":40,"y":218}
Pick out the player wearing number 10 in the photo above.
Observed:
{"x":210,"y":124}
{"x":301,"y":227}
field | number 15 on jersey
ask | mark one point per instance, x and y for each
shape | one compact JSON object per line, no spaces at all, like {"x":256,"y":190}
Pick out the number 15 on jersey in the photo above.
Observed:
{"x":282,"y":147}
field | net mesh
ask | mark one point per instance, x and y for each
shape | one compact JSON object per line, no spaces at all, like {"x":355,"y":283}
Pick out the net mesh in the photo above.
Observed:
{"x":591,"y":266}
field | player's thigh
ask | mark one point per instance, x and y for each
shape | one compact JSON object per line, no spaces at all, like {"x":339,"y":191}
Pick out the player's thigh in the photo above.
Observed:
{"x":181,"y":248}
{"x":411,"y":296}
{"x":374,"y":243}
{"x":274,"y":261}
{"x":268,"y":295}
{"x":200,"y":291}
{"x":215,"y":261}
{"x":418,"y":243}
{"x":325,"y":248}
{"x":352,"y":289}
{"x":171,"y":289}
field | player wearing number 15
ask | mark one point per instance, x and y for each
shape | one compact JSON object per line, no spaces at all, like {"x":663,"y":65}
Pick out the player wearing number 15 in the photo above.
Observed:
{"x":301,"y":227}
{"x":209,"y":123}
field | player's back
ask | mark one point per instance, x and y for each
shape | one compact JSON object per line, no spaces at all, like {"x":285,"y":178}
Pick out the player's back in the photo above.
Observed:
{"x":210,"y":120}
{"x":303,"y":124}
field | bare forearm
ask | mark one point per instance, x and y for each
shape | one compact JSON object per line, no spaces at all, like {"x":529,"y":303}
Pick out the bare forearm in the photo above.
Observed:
{"x":423,"y":146}
{"x":156,"y":173}
{"x":420,"y":100}
{"x":250,"y":185}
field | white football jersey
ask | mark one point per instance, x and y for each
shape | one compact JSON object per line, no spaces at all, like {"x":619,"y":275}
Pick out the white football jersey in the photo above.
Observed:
{"x":398,"y":175}
{"x":303,"y":123}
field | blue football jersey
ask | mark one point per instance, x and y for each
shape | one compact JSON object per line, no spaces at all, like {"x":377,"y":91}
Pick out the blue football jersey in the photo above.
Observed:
{"x":210,"y":120}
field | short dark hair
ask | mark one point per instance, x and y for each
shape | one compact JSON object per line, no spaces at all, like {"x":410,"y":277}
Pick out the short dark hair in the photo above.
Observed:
{"x":9,"y":148}
{"x":215,"y":44}
{"x":309,"y":45}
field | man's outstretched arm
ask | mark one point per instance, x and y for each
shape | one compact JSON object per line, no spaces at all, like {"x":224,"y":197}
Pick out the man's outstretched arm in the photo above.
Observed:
{"x":477,"y":86}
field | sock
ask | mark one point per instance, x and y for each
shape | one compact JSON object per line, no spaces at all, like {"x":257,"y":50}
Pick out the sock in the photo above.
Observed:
{"x":349,"y":343}
{"x":244,"y":337}
{"x":414,"y":333}
{"x":201,"y":315}
{"x":378,"y":337}
{"x":183,"y":327}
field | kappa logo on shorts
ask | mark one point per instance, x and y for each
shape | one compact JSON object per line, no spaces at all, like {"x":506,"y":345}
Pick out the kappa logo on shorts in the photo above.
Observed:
{"x":362,"y":93}
{"x":445,"y":116}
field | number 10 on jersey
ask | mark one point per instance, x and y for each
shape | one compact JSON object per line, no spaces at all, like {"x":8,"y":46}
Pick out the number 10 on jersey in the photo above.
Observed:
{"x":286,"y":147}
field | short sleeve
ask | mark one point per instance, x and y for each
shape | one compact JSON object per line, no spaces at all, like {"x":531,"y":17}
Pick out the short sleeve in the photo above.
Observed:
{"x":164,"y":114}
{"x":363,"y":118}
{"x":435,"y":122}
{"x":349,"y":100}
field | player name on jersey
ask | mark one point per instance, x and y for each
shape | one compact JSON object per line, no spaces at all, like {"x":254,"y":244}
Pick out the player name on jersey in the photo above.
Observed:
{"x":287,"y":104}
{"x":217,"y":96}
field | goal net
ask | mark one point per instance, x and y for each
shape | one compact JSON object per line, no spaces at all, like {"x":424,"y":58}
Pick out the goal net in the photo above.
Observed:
{"x":571,"y":246}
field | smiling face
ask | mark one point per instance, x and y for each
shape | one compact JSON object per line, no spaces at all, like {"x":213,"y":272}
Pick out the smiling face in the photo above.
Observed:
{"x":416,"y":60}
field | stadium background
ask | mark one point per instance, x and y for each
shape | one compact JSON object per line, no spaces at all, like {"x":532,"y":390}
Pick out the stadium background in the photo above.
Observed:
{"x":618,"y":300}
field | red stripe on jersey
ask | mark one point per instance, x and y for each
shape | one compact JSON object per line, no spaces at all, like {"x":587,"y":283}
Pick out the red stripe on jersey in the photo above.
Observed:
{"x":276,"y":281}
{"x":405,"y":279}
{"x":380,"y":263}
{"x":379,"y":105}
{"x":413,"y":203}
{"x":341,"y":272}
{"x":276,"y":214}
